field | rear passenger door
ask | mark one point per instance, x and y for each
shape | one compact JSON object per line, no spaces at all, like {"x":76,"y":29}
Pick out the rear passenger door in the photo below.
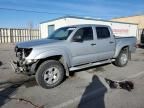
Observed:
{"x":105,"y":43}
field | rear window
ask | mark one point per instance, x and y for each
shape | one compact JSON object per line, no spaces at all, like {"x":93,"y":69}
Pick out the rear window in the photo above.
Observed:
{"x":102,"y":32}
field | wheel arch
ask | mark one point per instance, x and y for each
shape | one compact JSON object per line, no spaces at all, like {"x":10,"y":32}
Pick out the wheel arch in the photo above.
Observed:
{"x":118,"y":60}
{"x":59,"y":58}
{"x":118,"y":50}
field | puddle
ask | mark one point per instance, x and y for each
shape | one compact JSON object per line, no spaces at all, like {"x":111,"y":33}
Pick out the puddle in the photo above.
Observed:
{"x":4,"y":68}
{"x":137,"y":60}
{"x":1,"y":63}
{"x":5,"y":50}
{"x":142,"y":53}
{"x":97,"y":69}
{"x":29,"y":82}
{"x":101,"y":69}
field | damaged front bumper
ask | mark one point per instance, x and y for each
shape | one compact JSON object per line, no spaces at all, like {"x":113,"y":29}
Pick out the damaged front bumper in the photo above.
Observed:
{"x":25,"y":67}
{"x":22,"y":64}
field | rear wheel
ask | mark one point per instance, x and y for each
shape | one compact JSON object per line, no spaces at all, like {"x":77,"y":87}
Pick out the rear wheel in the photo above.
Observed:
{"x":122,"y":59}
{"x":50,"y":74}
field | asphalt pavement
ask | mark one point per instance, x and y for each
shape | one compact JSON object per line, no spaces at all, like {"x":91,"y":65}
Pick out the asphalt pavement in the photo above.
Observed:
{"x":85,"y":89}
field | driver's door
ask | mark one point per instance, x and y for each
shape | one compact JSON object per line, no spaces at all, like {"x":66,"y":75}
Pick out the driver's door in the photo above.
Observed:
{"x":83,"y":51}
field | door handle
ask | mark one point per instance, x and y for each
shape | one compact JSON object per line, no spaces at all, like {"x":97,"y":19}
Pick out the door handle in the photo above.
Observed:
{"x":111,"y":42}
{"x":93,"y":44}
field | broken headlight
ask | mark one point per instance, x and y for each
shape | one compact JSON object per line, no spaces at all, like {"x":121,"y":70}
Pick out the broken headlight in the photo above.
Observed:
{"x":22,"y":52}
{"x":27,"y":51}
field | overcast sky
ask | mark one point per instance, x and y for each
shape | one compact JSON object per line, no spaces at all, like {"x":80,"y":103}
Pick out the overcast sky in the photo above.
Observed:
{"x":19,"y":13}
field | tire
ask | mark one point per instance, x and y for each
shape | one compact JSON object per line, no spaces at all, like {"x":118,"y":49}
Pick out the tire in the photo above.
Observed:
{"x":50,"y":74}
{"x":122,"y":58}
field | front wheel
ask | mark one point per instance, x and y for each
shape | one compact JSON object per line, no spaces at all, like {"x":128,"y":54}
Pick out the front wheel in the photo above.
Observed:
{"x":122,"y":58}
{"x":50,"y":74}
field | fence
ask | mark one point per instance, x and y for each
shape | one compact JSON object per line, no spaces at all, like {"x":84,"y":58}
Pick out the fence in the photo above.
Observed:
{"x":13,"y":35}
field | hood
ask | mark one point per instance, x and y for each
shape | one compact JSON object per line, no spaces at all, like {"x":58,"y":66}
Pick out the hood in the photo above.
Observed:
{"x":34,"y":43}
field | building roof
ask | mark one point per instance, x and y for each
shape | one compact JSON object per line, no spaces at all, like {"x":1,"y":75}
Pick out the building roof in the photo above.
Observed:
{"x":85,"y":25}
{"x":128,"y":16}
{"x":86,"y":18}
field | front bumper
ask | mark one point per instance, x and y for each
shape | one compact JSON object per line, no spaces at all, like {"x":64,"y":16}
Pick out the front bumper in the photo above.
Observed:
{"x":24,"y":67}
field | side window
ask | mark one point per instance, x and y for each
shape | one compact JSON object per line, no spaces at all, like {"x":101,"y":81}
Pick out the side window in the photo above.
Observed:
{"x":86,"y":33}
{"x":102,"y":32}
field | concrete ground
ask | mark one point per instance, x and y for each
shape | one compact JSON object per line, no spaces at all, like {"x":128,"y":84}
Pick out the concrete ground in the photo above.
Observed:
{"x":86,"y":89}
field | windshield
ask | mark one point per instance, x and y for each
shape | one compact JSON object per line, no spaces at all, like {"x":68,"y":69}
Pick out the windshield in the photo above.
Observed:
{"x":62,"y":33}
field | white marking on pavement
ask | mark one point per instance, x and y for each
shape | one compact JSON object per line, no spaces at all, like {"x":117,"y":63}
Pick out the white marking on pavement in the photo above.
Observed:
{"x":77,"y":99}
{"x":135,"y":75}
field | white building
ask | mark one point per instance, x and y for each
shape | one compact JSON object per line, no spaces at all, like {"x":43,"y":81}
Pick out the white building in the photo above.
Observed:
{"x":119,"y":28}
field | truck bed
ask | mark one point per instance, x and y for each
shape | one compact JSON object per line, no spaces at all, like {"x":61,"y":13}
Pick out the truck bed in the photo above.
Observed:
{"x":129,"y":41}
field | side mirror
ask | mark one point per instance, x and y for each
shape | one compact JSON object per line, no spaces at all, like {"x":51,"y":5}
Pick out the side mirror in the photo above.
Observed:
{"x":77,"y":38}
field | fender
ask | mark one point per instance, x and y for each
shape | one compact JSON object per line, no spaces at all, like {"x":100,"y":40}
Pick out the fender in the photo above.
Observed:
{"x":54,"y":52}
{"x":119,"y":48}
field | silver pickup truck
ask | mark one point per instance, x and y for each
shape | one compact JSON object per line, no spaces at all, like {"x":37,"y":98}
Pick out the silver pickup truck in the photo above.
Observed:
{"x":71,"y":48}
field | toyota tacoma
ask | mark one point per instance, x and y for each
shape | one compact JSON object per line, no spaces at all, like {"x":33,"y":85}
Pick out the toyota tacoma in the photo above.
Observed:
{"x":71,"y":48}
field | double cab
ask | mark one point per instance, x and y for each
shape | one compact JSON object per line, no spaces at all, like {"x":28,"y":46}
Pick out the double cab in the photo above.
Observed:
{"x":71,"y":48}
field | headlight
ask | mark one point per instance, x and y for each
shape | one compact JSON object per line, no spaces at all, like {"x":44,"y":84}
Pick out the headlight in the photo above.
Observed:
{"x":27,"y":51}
